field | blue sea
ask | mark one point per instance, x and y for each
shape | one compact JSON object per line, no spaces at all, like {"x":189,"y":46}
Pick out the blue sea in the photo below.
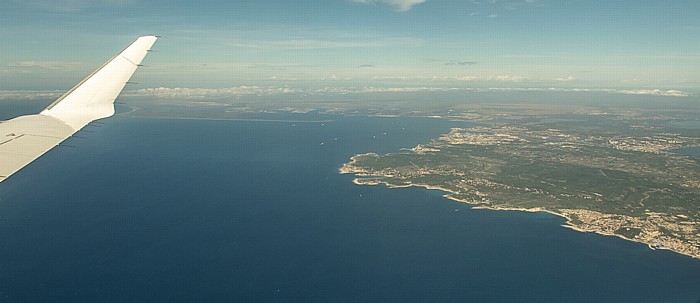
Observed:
{"x":167,"y":210}
{"x":688,"y":151}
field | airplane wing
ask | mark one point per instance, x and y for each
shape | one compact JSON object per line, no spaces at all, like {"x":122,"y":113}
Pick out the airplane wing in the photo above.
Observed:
{"x":26,"y":138}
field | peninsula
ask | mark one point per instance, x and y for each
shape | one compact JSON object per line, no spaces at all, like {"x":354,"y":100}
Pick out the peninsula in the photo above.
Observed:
{"x":604,"y":173}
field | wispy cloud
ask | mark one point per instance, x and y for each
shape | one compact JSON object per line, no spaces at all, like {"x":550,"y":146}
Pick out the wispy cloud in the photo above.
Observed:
{"x":302,"y":44}
{"x":567,"y":79}
{"x":336,"y":78}
{"x":656,"y":92}
{"x":65,"y":6}
{"x":44,"y":64}
{"x":650,"y":92}
{"x":465,"y":78}
{"x":513,"y":5}
{"x":28,"y":94}
{"x":500,"y":5}
{"x":505,"y":3}
{"x":400,"y":5}
{"x":508,"y":78}
{"x":206,"y":94}
{"x":232,"y":92}
{"x":222,"y":93}
{"x":278,"y":67}
{"x":309,"y":44}
{"x":461,"y":63}
{"x":456,"y":78}
{"x":501,"y":78}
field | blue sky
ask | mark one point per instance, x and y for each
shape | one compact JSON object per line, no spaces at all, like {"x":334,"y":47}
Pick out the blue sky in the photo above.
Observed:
{"x":359,"y":43}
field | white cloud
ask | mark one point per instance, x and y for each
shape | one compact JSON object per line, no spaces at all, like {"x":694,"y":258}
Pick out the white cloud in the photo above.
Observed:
{"x":656,"y":92}
{"x":456,"y":78}
{"x":501,"y":78}
{"x":567,"y":79}
{"x":337,"y":78}
{"x":207,"y":93}
{"x":232,"y":92}
{"x":65,"y":6}
{"x":465,"y":78}
{"x":28,"y":94}
{"x":651,"y":92}
{"x":400,"y":5}
{"x":508,"y":78}
{"x":393,"y":78}
{"x":199,"y":94}
{"x":405,"y":89}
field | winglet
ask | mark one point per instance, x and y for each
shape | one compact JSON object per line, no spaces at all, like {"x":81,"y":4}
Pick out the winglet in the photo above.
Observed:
{"x":93,"y":98}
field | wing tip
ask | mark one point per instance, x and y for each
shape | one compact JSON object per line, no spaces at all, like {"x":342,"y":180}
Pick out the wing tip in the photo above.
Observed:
{"x":150,"y":37}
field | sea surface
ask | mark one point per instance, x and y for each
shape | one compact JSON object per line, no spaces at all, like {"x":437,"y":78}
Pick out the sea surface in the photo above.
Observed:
{"x":688,"y":151}
{"x":165,"y":210}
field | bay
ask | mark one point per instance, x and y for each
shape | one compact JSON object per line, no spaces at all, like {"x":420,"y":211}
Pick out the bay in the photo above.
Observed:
{"x":195,"y":210}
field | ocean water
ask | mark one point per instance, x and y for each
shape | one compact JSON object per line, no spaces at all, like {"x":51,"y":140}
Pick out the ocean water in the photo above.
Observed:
{"x":145,"y":210}
{"x":688,"y":151}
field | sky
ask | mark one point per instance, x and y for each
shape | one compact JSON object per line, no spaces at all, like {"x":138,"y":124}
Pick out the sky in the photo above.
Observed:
{"x":635,"y":46}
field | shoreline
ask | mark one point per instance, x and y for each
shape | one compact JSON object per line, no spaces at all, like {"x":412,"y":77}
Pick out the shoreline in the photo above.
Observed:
{"x":347,"y":168}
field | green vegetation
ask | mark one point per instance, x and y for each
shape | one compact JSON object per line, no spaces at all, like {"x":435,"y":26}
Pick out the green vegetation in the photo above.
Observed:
{"x":605,"y":173}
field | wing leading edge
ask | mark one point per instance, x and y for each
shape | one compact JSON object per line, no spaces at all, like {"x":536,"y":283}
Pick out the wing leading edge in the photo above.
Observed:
{"x":26,"y":138}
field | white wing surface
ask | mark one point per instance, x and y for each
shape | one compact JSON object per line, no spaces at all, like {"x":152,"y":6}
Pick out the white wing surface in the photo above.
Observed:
{"x":25,"y":138}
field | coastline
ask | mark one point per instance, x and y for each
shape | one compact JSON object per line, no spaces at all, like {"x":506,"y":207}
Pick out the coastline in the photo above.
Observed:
{"x":348,"y":168}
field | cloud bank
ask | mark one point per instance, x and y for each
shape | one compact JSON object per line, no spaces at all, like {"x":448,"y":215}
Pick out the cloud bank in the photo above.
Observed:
{"x":205,"y":93}
{"x":242,"y":91}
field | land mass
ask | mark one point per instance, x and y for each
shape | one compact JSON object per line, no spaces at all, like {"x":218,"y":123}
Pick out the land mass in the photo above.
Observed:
{"x":611,"y":174}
